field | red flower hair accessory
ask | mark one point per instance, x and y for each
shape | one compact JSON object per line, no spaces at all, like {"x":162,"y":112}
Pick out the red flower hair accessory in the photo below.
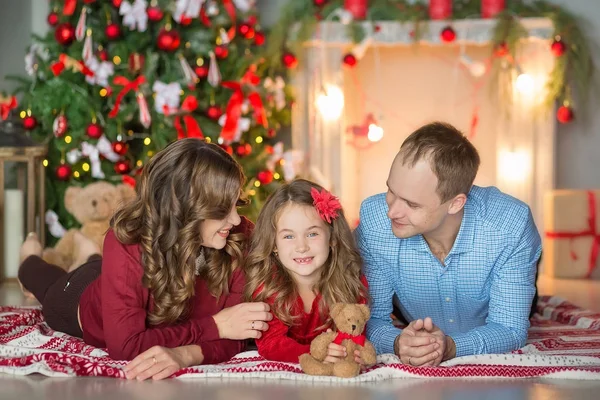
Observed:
{"x":326,"y":204}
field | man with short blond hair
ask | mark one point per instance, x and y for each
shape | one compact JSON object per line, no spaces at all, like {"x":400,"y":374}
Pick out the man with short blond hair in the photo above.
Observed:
{"x":460,"y":259}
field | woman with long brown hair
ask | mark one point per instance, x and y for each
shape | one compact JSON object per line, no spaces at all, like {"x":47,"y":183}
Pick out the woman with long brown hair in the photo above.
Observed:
{"x":167,"y":292}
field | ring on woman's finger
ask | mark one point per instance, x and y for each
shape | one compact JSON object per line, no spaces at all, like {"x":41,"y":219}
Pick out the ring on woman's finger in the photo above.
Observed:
{"x":253,"y":325}
{"x":153,"y":360}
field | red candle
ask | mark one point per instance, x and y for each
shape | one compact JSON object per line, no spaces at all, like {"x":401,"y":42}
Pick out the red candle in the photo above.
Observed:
{"x":440,"y":9}
{"x":489,"y":8}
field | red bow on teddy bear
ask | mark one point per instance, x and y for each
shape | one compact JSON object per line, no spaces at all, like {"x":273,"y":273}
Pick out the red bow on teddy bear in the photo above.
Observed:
{"x":358,"y":339}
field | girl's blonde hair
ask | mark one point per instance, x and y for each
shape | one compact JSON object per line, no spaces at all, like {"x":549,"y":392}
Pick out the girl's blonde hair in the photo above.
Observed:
{"x":183,"y":185}
{"x":269,"y":281}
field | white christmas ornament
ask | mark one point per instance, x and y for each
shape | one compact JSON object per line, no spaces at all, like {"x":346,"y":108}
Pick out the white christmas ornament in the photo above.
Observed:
{"x":102,"y":71}
{"x":214,"y":74}
{"x":54,"y":226}
{"x":135,"y":16}
{"x":167,"y":97}
{"x":212,"y":9}
{"x":93,"y":152}
{"x":242,"y":126}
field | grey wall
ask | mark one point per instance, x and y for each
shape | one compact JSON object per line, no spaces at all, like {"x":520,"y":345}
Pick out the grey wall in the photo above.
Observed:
{"x":578,"y":143}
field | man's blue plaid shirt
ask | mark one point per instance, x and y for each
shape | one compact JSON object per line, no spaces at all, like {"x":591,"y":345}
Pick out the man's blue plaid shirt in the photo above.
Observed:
{"x":481,"y":297}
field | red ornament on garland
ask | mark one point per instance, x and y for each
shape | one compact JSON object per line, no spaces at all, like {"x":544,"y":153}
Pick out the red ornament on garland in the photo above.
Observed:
{"x":122,"y":167}
{"x":117,"y":3}
{"x":289,"y":60}
{"x":94,"y":131}
{"x":246,"y":30}
{"x":440,"y":9}
{"x":214,"y":112}
{"x":29,"y":122}
{"x":120,"y":148}
{"x":52,"y":19}
{"x":350,"y":60}
{"x":448,"y":34}
{"x":265,"y":177}
{"x":221,"y":51}
{"x":112,"y":31}
{"x":358,"y":8}
{"x":243,"y":150}
{"x":501,"y":50}
{"x":565,"y":114}
{"x":60,"y":125}
{"x":490,"y":8}
{"x":64,"y":34}
{"x":558,"y":48}
{"x":319,"y":3}
{"x":201,"y":72}
{"x":259,"y":38}
{"x":227,"y":148}
{"x":168,"y":40}
{"x":63,"y":172}
{"x":155,"y":14}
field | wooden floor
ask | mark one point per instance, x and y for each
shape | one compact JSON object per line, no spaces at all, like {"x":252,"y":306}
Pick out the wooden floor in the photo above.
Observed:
{"x":582,"y":293}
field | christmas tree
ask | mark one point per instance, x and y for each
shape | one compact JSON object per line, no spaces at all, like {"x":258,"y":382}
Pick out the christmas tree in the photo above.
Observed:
{"x":114,"y":81}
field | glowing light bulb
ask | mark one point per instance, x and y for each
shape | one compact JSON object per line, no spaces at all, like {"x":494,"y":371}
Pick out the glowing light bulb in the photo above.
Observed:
{"x":375,"y":133}
{"x":524,"y":83}
{"x":514,"y":165}
{"x":330,"y":103}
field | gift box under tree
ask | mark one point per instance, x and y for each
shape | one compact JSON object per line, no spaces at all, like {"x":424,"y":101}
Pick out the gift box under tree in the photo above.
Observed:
{"x":572,"y":237}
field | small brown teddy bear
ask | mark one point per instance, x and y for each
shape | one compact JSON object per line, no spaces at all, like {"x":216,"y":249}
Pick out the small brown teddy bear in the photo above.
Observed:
{"x":350,"y":320}
{"x":92,"y":206}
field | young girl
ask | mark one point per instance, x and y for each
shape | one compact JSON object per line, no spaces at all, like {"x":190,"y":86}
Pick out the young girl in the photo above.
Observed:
{"x":167,"y":292}
{"x":302,"y":260}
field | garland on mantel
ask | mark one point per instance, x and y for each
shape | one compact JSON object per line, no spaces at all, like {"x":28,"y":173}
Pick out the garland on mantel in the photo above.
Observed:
{"x":570,"y":79}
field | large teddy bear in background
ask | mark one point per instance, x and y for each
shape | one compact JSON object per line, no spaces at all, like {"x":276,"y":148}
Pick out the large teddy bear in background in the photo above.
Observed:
{"x":92,"y":206}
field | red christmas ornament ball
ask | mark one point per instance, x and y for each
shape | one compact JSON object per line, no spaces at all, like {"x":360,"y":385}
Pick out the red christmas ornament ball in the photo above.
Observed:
{"x":168,"y":40}
{"x":117,"y":3}
{"x":94,"y":131}
{"x":60,"y":125}
{"x":103,"y":55}
{"x":289,"y":60}
{"x":122,"y":167}
{"x":565,"y":114}
{"x":265,"y":177}
{"x":271,"y":133}
{"x":64,"y":34}
{"x":63,"y":172}
{"x":221,"y":51}
{"x":155,"y":14}
{"x":269,"y":149}
{"x":201,"y":72}
{"x":214,"y":112}
{"x":259,"y":38}
{"x":243,"y":149}
{"x":319,"y":3}
{"x":52,"y":19}
{"x":349,"y":60}
{"x":227,"y":148}
{"x":112,"y":31}
{"x":448,"y":34}
{"x":29,"y":122}
{"x":558,"y":48}
{"x":246,"y":30}
{"x":120,"y":148}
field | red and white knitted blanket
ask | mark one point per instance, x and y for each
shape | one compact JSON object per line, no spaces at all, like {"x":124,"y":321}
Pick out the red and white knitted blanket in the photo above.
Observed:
{"x":564,"y":342}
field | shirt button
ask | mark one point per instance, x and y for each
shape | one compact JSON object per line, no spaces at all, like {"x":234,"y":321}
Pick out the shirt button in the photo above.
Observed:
{"x":451,"y":320}
{"x":448,"y":299}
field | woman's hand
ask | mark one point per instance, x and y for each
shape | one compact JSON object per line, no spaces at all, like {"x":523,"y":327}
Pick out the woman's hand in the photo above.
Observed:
{"x":243,"y":321}
{"x":161,"y":362}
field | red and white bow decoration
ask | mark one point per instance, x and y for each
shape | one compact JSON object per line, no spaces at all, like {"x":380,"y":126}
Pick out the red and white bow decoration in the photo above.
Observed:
{"x":276,"y":88}
{"x":102,"y":71}
{"x":54,"y":226}
{"x":135,"y":16}
{"x":243,"y":124}
{"x":186,"y":9}
{"x":93,"y":152}
{"x":167,"y":97}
